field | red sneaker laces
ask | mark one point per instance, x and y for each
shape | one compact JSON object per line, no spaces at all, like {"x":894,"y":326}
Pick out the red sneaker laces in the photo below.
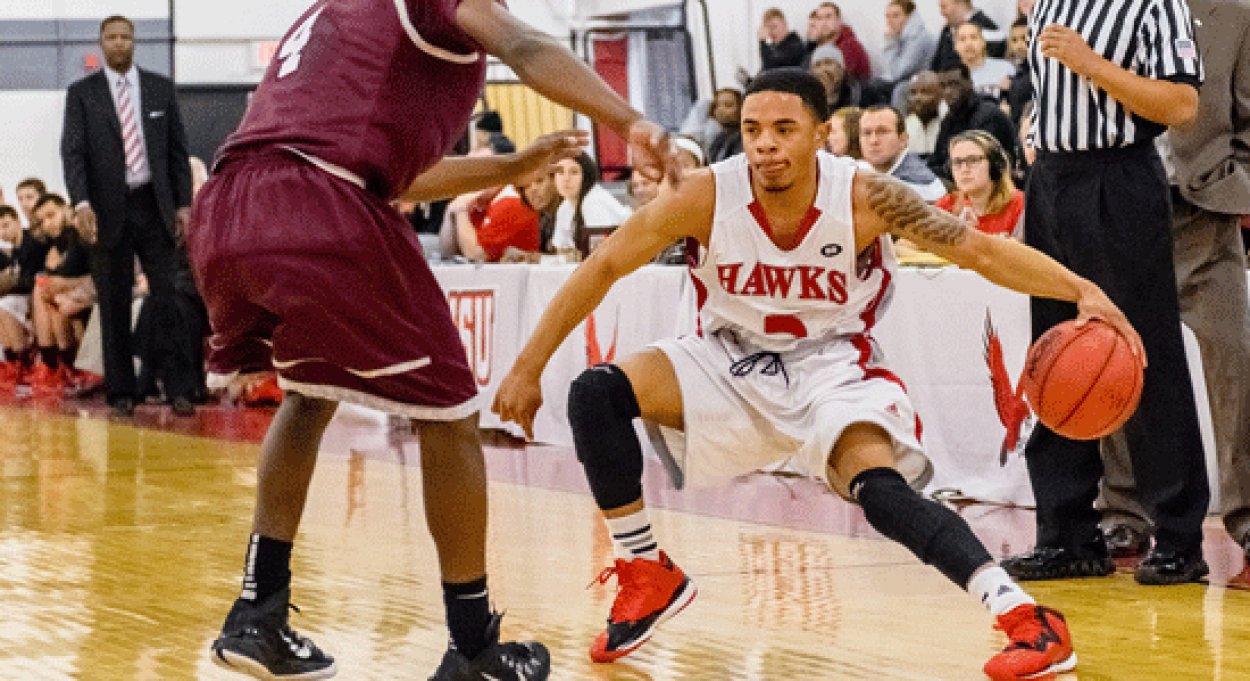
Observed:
{"x":1025,"y":633}
{"x":630,"y":590}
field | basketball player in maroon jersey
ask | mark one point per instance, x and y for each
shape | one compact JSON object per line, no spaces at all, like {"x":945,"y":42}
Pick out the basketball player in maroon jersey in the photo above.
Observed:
{"x":793,"y":267}
{"x":307,"y":270}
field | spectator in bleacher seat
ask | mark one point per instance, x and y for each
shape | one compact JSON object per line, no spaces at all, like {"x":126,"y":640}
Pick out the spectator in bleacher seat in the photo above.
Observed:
{"x":488,"y":133}
{"x":62,"y":296}
{"x":511,"y":225}
{"x":988,"y":74}
{"x":585,"y":203}
{"x":909,"y":45}
{"x":700,"y":123}
{"x":957,"y":13}
{"x":690,"y":154}
{"x":29,"y":191}
{"x":642,"y":189}
{"x":1018,"y":90}
{"x":21,"y":257}
{"x":844,"y":132}
{"x":985,"y":195}
{"x":925,"y":110}
{"x":131,"y":188}
{"x":968,"y":111}
{"x":727,"y":110}
{"x":883,"y":139}
{"x":828,"y":29}
{"x":841,"y":88}
{"x":779,"y":46}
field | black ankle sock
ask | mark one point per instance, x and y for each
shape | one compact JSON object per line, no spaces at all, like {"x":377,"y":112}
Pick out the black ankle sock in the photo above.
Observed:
{"x":468,"y":614}
{"x":268,"y":568}
{"x":10,"y":356}
{"x":50,"y":357}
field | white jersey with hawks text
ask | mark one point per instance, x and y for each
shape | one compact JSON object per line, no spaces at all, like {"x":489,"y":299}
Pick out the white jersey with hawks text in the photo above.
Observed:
{"x":777,"y":299}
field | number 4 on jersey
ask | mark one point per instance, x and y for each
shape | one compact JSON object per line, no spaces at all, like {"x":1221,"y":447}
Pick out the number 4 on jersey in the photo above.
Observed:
{"x":291,"y":49}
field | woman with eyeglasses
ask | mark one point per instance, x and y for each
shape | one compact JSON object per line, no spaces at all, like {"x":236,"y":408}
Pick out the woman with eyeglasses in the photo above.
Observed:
{"x":985,"y":194}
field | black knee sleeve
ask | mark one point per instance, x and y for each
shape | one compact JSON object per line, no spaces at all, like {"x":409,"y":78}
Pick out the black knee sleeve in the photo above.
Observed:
{"x":933,"y":532}
{"x":602,"y":409}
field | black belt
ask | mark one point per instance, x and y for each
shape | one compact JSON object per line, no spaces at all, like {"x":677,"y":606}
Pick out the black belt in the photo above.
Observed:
{"x":1134,"y":153}
{"x":143,"y":188}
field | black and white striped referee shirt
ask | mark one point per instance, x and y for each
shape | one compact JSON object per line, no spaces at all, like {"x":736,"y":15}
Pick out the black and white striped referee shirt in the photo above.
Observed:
{"x":1151,"y":38}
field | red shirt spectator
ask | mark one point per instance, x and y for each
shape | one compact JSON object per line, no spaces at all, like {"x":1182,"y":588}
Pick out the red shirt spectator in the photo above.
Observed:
{"x":509,"y":221}
{"x":1003,"y":222}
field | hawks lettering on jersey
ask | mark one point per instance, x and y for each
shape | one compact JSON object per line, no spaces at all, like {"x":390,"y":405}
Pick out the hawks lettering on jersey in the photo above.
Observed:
{"x":777,"y":297}
{"x":807,"y":282}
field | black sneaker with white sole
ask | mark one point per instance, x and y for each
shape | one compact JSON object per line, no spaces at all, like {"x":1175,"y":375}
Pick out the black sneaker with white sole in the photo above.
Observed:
{"x":256,"y":640}
{"x":506,"y":661}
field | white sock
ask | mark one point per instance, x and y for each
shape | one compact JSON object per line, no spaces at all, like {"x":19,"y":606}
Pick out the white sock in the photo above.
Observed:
{"x":631,"y":537}
{"x":996,"y":590}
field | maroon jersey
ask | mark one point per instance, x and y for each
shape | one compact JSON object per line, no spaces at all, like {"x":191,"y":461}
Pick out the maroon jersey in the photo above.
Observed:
{"x":379,"y":88}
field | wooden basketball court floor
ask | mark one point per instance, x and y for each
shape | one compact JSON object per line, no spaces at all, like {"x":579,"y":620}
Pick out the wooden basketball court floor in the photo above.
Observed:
{"x":121,"y":547}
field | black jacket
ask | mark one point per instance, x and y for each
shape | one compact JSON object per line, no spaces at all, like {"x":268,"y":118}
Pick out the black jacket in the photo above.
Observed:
{"x":973,"y":113}
{"x":791,"y":51}
{"x":93,"y":154}
{"x":29,"y":257}
{"x":946,"y":58}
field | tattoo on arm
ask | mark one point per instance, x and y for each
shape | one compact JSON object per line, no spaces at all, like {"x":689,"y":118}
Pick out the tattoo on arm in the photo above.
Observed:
{"x":907,"y":214}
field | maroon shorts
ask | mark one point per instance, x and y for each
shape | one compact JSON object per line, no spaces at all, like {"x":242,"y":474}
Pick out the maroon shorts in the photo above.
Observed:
{"x":309,"y":275}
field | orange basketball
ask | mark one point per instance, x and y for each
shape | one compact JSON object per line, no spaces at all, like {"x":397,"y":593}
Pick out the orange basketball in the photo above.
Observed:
{"x":1082,"y":383}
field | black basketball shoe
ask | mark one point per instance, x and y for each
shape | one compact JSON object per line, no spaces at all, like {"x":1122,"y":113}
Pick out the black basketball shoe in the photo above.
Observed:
{"x":508,"y":661}
{"x":256,"y":640}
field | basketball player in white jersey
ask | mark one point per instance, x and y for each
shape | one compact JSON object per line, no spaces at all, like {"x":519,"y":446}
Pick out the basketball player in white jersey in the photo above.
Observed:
{"x":794,"y":267}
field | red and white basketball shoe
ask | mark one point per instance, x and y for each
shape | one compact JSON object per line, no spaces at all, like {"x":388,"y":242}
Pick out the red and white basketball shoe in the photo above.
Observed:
{"x":651,"y":592}
{"x":1040,"y":645}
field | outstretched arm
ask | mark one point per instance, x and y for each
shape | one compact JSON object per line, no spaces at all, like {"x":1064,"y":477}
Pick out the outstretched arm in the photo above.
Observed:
{"x":456,"y":175}
{"x":559,"y":75}
{"x":647,"y":232}
{"x":895,"y":208}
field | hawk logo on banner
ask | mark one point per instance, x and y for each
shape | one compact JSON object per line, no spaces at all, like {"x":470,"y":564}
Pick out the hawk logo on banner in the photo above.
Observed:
{"x":473,"y":311}
{"x":594,"y":355}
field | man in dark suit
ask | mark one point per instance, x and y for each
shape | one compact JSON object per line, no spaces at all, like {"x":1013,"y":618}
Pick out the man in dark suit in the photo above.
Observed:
{"x":1210,"y":192}
{"x":125,"y":157}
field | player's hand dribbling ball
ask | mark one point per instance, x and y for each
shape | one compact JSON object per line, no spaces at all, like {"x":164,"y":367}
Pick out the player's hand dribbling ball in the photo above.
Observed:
{"x":1082,"y":382}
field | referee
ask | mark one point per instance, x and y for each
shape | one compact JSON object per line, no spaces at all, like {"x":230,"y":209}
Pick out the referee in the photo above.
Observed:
{"x":1098,"y":201}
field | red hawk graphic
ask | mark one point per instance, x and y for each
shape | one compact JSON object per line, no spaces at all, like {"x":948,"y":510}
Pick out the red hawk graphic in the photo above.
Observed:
{"x":1010,"y":404}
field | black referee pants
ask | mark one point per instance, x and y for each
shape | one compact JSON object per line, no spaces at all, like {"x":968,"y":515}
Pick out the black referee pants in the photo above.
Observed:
{"x":1106,"y":216}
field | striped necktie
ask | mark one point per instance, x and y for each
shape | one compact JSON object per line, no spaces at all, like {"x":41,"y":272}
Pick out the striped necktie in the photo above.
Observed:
{"x":136,"y":161}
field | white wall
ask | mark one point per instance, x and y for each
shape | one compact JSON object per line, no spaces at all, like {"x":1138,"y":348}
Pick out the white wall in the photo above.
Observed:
{"x":84,"y":9}
{"x":32,"y":143}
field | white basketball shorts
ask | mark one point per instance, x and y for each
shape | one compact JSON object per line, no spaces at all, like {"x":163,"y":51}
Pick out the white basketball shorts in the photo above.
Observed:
{"x":746,"y":410}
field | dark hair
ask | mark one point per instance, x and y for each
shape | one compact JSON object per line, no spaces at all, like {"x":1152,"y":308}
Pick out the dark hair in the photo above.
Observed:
{"x":49,"y":198}
{"x":590,"y":177}
{"x":1021,"y":22}
{"x":774,"y":13}
{"x":907,"y":6}
{"x":900,"y":124}
{"x":34,"y":183}
{"x":732,"y":90}
{"x":795,"y":81}
{"x":8,"y":212}
{"x":114,"y":19}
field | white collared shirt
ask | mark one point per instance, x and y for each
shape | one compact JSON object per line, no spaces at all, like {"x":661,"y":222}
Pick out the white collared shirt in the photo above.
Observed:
{"x":136,"y":99}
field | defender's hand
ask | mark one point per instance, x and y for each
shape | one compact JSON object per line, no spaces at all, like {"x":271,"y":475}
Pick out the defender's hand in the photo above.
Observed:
{"x":653,"y":153}
{"x":518,"y":399}
{"x":1094,"y":304}
{"x":540,"y":156}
